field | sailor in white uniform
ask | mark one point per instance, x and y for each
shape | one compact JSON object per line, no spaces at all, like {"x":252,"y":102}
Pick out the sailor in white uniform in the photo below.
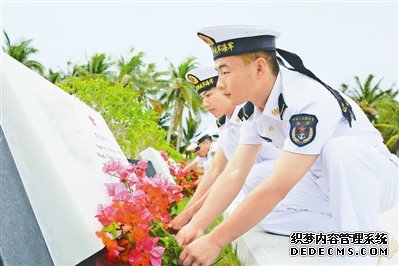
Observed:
{"x":319,"y":130}
{"x":230,"y":122}
{"x":204,"y":147}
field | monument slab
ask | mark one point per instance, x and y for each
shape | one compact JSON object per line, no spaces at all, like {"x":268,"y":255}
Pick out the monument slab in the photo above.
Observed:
{"x":59,"y":145}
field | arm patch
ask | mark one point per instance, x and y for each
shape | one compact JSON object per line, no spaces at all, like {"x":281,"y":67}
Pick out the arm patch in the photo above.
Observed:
{"x":303,"y":129}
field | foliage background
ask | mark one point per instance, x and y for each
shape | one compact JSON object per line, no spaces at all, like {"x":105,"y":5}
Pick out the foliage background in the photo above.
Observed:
{"x":134,"y":126}
{"x":146,"y":107}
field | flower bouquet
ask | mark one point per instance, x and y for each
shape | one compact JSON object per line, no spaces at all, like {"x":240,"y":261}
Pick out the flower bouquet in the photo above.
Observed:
{"x":135,"y":222}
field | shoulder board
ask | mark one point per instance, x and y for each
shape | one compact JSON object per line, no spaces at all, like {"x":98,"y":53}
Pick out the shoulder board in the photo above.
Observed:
{"x":246,"y":111}
{"x":281,"y":105}
{"x":220,"y":121}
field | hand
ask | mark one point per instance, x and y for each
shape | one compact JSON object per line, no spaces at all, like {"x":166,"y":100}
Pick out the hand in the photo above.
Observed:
{"x":188,"y":234}
{"x":202,"y":251}
{"x":179,"y":221}
{"x":186,"y":171}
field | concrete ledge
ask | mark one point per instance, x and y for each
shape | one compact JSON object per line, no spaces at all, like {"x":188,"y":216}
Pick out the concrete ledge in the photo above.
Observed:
{"x":257,"y":247}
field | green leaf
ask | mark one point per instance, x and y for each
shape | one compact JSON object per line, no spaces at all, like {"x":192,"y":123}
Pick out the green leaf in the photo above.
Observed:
{"x":111,"y":228}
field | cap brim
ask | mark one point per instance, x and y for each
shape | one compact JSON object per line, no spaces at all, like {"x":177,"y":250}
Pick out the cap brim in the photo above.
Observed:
{"x":192,"y":147}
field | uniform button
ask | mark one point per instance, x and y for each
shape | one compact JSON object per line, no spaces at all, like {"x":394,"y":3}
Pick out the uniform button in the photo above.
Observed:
{"x":271,"y":128}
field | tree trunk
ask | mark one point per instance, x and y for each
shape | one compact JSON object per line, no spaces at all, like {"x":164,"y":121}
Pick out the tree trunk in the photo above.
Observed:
{"x":180,"y":135}
{"x":172,"y":122}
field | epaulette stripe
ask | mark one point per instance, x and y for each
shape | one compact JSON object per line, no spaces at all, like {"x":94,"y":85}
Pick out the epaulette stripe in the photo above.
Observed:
{"x":248,"y":110}
{"x":281,"y":105}
{"x":240,"y":114}
{"x":220,"y":121}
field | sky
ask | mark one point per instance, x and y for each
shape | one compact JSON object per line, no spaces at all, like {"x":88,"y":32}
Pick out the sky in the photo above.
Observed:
{"x":337,"y":40}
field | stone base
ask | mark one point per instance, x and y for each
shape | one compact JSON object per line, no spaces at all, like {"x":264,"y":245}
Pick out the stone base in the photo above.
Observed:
{"x":257,"y":247}
{"x":21,"y":240}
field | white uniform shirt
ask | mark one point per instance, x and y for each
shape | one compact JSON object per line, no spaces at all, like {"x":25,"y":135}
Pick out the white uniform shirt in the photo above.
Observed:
{"x":229,"y":135}
{"x":206,"y":161}
{"x":304,"y":96}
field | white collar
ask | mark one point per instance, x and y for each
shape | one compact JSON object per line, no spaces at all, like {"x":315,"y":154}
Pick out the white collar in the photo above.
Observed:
{"x":234,"y":119}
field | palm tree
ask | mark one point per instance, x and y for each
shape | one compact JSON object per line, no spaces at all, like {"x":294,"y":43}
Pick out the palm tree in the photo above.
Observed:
{"x":368,"y":95}
{"x":142,"y":78}
{"x":98,"y":64}
{"x":388,"y":124}
{"x":180,"y":95}
{"x":128,"y":69}
{"x":21,"y":52}
{"x":192,"y":124}
{"x":53,"y":76}
{"x":381,"y":108}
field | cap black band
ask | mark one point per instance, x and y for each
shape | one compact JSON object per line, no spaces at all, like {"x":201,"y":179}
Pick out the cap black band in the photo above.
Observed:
{"x":243,"y":45}
{"x":203,"y":138}
{"x":204,"y":85}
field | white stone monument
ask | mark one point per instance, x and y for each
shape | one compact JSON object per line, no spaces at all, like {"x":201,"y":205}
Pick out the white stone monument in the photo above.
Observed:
{"x":59,"y":145}
{"x":160,"y":166}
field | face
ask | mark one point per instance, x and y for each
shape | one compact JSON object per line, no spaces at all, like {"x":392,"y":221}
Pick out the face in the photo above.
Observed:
{"x":236,"y":79}
{"x":215,"y":102}
{"x":204,"y":148}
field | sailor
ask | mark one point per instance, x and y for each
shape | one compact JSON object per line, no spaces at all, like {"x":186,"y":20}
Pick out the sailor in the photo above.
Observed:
{"x":204,"y":147}
{"x":318,"y":129}
{"x":230,"y":120}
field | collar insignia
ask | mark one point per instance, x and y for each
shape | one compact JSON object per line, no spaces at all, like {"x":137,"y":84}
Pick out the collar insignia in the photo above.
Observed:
{"x":281,"y":105}
{"x":275,"y":111}
{"x":220,"y":121}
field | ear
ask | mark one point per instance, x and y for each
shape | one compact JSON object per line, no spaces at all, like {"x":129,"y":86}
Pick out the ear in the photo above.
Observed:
{"x":261,"y":66}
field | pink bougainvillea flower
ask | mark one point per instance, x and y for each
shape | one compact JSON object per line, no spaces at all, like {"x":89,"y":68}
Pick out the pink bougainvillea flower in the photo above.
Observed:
{"x":149,"y":246}
{"x":123,"y":196}
{"x":111,"y":166}
{"x":164,"y":155}
{"x":142,"y":164}
{"x":138,"y":258}
{"x":133,"y":178}
{"x":126,"y":228}
{"x":123,"y":174}
{"x":115,"y":188}
{"x":156,"y":255}
{"x":104,"y":215}
{"x":131,"y":168}
{"x":147,"y":250}
{"x":140,"y":173}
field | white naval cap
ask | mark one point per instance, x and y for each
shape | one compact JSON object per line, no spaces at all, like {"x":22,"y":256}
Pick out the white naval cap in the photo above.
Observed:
{"x":239,"y":39}
{"x":196,"y":141}
{"x":193,"y":146}
{"x":203,"y":78}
